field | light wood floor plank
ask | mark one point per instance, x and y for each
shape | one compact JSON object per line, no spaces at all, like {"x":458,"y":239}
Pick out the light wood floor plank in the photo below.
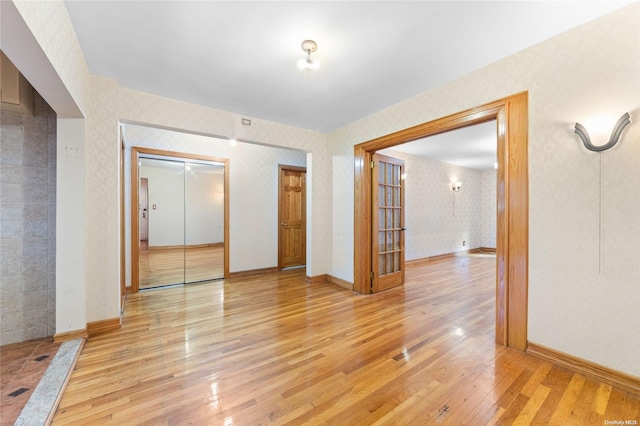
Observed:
{"x":273,"y":349}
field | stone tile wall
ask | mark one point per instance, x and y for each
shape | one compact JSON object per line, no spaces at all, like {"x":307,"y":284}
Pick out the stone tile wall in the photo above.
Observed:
{"x":27,"y":223}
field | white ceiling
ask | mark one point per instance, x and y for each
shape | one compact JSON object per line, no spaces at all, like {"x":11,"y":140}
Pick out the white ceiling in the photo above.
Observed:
{"x":474,"y":146}
{"x":240,"y":56}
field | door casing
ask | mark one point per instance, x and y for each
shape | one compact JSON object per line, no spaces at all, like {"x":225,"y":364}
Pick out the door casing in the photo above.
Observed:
{"x":512,"y":242}
{"x":135,"y":223}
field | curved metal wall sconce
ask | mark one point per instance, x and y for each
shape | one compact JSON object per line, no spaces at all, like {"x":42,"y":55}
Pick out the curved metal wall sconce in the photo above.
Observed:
{"x":615,"y":135}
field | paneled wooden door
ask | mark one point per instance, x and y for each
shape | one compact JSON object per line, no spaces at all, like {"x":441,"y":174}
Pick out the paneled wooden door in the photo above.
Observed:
{"x":387,"y":196}
{"x":292,"y":241}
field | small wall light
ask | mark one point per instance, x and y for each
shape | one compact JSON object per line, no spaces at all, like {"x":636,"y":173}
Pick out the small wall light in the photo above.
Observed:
{"x":307,"y":63}
{"x":456,"y":186}
{"x":581,"y":131}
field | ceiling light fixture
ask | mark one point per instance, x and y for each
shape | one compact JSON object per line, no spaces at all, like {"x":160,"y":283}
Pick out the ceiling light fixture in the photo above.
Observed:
{"x":309,"y":46}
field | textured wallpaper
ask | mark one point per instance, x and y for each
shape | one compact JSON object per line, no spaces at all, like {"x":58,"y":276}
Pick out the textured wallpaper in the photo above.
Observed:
{"x":52,"y":28}
{"x":437,"y":219}
{"x":253,"y":223}
{"x":583,"y":285}
{"x":584,"y":232}
{"x":489,"y":208}
{"x":137,"y":107}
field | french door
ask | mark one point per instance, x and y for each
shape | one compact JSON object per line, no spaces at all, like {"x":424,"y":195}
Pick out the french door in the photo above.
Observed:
{"x":387,"y":195}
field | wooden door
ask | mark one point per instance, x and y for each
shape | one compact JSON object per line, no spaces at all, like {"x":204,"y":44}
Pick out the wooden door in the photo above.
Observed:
{"x":387,"y":195}
{"x":292,"y":217}
{"x":144,"y":209}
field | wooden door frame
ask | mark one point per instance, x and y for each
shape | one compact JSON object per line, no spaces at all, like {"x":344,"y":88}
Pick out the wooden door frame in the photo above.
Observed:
{"x":282,"y":167}
{"x":512,"y":242}
{"x":123,"y":273}
{"x":135,"y":225}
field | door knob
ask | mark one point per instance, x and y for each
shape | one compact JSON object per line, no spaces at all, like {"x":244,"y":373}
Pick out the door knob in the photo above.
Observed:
{"x":283,"y":224}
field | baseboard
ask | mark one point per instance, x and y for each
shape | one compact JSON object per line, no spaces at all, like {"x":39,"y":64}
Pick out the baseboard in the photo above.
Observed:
{"x":181,"y":246}
{"x":484,"y":250}
{"x":446,"y":256}
{"x":100,"y":327}
{"x":253,"y":272}
{"x":430,"y":259}
{"x":329,"y":279}
{"x":341,"y":283}
{"x":318,"y":279}
{"x":70,"y":335}
{"x":599,"y":372}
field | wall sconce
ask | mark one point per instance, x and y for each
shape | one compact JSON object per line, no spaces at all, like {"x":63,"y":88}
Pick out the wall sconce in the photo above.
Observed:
{"x":615,"y":135}
{"x":581,"y":131}
{"x":307,"y":63}
{"x":456,"y":186}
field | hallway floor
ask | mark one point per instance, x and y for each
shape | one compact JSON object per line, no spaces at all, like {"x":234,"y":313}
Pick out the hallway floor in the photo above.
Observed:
{"x":22,"y":365}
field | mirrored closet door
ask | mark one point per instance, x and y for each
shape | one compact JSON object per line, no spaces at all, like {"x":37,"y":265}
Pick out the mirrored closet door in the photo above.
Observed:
{"x":181,"y":221}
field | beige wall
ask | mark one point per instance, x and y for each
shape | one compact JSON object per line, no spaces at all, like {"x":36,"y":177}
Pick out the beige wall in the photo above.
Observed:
{"x":437,"y":219}
{"x":253,"y":189}
{"x":577,"y":304}
{"x":573,"y":306}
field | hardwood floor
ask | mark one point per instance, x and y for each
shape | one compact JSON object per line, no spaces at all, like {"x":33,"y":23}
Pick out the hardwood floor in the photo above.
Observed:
{"x":276,"y":350}
{"x":179,"y":265}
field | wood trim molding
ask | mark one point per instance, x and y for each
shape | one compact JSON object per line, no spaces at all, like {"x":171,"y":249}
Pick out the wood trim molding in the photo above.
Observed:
{"x":624,"y":381}
{"x":70,"y":335}
{"x":340,"y":282}
{"x":123,"y":274}
{"x":253,"y":272}
{"x":318,"y":279}
{"x":189,"y":246}
{"x":135,"y":158}
{"x":95,"y":328}
{"x":484,"y":250}
{"x":329,"y":279}
{"x":512,"y":242}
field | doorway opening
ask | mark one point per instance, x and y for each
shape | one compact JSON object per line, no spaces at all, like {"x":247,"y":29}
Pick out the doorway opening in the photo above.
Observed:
{"x":511,"y":115}
{"x":179,"y":218}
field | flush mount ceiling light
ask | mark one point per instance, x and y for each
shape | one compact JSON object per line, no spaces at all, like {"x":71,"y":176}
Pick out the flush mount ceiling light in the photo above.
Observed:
{"x":309,"y":46}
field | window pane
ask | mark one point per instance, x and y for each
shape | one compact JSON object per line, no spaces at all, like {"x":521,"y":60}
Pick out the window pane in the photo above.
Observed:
{"x":381,"y":264}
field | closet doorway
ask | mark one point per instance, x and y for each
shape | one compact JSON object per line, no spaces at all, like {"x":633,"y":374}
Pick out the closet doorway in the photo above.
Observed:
{"x":179,"y":218}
